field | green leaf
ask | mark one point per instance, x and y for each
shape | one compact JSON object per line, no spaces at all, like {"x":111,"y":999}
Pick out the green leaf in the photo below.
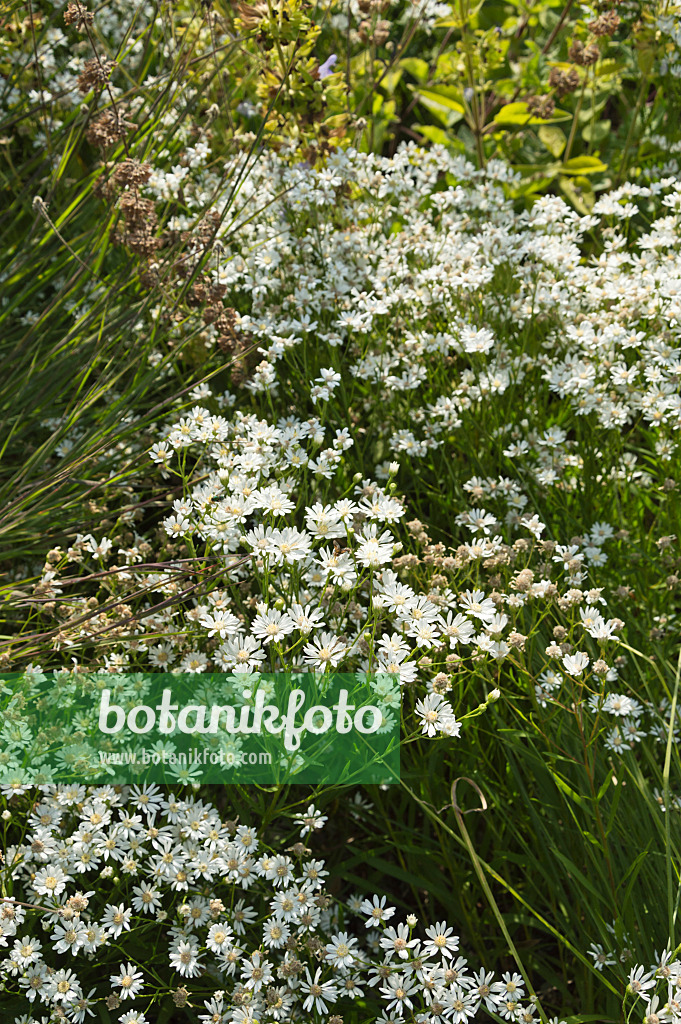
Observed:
{"x":608,"y":67}
{"x":596,"y":132}
{"x":443,"y":104}
{"x":584,"y":165}
{"x":530,"y":187}
{"x":585,"y":1018}
{"x":553,"y":138}
{"x":646,"y":57}
{"x":518,"y":113}
{"x":574,"y":871}
{"x":390,"y":80}
{"x":580,"y":193}
{"x":564,"y":788}
{"x":416,"y":67}
{"x":443,"y":96}
{"x":603,"y":789}
{"x":433,"y":133}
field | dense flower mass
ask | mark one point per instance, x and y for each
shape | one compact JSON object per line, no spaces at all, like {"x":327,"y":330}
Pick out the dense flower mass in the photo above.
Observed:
{"x":320,"y":571}
{"x":343,"y":338}
{"x":249,"y":929}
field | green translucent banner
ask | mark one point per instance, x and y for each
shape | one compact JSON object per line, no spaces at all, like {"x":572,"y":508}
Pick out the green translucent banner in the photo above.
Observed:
{"x":87,"y":727}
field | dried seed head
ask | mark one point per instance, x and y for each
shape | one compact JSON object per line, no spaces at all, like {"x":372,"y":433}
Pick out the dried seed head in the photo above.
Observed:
{"x":583,"y":55}
{"x":290,"y":968}
{"x":563,"y":81}
{"x":95,"y":74}
{"x":107,"y":129}
{"x":141,"y":242}
{"x":104,"y":188}
{"x":541,"y":106}
{"x":381,"y":32}
{"x":364,"y":30}
{"x":77,"y":14}
{"x":250,"y":15}
{"x":181,"y":996}
{"x":522,"y":581}
{"x":139,"y":213}
{"x":606,"y":24}
{"x":132,"y":172}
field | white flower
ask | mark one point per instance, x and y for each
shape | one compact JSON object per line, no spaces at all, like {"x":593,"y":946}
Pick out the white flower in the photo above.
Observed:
{"x":256,"y":971}
{"x":185,"y":958}
{"x":325,"y":651}
{"x":475,"y":603}
{"x":600,"y":958}
{"x":437,"y":715}
{"x":129,"y":980}
{"x":319,"y":993}
{"x":396,"y":940}
{"x":311,"y":820}
{"x":441,"y":940}
{"x":340,"y":952}
{"x":50,"y":880}
{"x":116,"y":919}
{"x":575,"y":663}
{"x":398,"y":990}
{"x":272,"y":625}
{"x":376,"y":910}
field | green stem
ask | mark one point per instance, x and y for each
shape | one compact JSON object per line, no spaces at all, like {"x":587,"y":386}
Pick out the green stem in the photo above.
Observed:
{"x":575,"y":119}
{"x":477,"y":111}
{"x":667,"y":823}
{"x":630,"y":133}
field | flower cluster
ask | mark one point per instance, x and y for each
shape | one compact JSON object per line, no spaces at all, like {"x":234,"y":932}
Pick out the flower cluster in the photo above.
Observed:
{"x":143,"y":893}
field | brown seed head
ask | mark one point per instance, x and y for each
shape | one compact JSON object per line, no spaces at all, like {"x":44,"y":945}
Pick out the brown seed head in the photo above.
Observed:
{"x":77,"y":14}
{"x":95,"y":74}
{"x":132,"y":172}
{"x":107,"y":129}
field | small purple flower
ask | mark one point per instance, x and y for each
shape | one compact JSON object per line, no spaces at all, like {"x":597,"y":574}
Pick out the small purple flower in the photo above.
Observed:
{"x":326,"y":68}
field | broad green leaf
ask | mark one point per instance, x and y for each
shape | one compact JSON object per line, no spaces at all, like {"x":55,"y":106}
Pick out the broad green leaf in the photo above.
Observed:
{"x":390,"y":79}
{"x":553,"y":138}
{"x":580,"y":193}
{"x":447,"y":64}
{"x":646,"y":57}
{"x":609,"y":66}
{"x":596,"y":133}
{"x":530,"y":187}
{"x":518,"y":113}
{"x":442,"y":96}
{"x":445,"y":108}
{"x":584,"y":165}
{"x":433,"y":133}
{"x":416,"y":67}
